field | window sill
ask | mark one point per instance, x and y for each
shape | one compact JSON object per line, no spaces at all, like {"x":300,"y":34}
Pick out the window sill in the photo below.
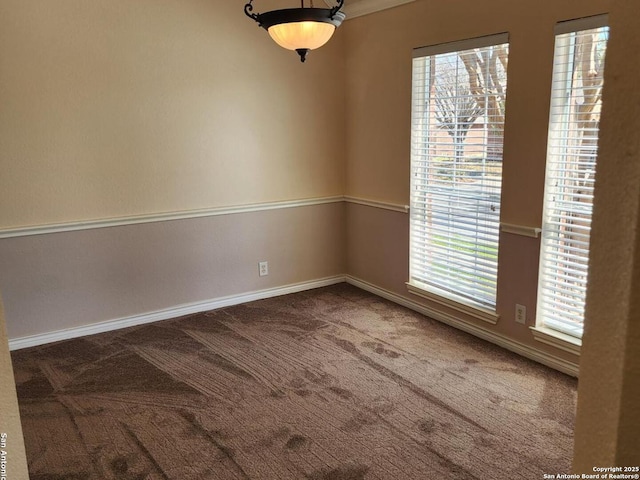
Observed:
{"x":557,"y":339}
{"x":475,"y":312}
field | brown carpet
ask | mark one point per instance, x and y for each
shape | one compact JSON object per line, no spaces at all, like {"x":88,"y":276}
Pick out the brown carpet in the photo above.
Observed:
{"x":333,"y":383}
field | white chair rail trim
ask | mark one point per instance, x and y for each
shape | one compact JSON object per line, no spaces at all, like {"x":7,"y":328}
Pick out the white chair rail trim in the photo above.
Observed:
{"x":533,"y":232}
{"x":162,"y":217}
{"x":394,"y":207}
{"x":186,"y":214}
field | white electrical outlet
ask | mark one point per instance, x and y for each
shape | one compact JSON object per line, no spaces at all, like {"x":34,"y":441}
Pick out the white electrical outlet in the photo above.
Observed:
{"x":263,"y":268}
{"x":521,"y":314}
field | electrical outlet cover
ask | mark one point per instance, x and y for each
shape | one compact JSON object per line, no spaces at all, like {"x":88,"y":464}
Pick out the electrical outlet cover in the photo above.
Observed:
{"x":263,"y":268}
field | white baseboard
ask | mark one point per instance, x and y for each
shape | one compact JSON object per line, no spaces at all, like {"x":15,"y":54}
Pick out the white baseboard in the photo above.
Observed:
{"x":550,"y":360}
{"x":167,"y":313}
{"x":531,"y":353}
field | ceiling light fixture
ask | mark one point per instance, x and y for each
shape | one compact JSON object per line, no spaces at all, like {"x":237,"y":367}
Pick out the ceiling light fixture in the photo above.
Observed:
{"x":300,"y":29}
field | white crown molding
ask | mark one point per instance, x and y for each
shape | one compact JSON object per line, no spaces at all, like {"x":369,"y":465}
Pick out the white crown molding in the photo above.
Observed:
{"x":365,"y":7}
{"x":168,"y":313}
{"x":557,"y":363}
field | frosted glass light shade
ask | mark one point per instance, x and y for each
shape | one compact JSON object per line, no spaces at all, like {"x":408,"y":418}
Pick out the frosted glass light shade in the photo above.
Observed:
{"x":299,"y":29}
{"x":301,"y":35}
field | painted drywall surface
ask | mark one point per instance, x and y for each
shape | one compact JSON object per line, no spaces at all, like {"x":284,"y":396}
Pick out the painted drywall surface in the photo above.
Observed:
{"x":371,"y":251}
{"x":379,"y":49}
{"x":608,"y":418}
{"x":65,"y":280}
{"x":11,"y":440}
{"x":380,"y":256}
{"x":121,"y":108}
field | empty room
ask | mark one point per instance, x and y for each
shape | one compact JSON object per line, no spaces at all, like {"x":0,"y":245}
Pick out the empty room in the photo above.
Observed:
{"x":326,"y":240}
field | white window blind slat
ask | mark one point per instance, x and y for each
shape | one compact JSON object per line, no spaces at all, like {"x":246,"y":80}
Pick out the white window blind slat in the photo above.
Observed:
{"x":456,"y":168}
{"x":571,"y":162}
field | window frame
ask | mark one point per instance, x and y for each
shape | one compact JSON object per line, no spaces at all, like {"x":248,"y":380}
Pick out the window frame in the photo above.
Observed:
{"x":543,"y":331}
{"x":447,"y":298}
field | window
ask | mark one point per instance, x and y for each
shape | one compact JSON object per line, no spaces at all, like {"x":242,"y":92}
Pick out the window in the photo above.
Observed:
{"x":457,"y":126}
{"x":571,"y":162}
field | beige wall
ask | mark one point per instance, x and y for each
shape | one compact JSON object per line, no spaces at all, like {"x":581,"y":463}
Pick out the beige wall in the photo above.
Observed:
{"x":608,"y":421}
{"x":121,"y":108}
{"x":130,"y":108}
{"x":146,"y":108}
{"x":167,"y":106}
{"x":126,"y":108}
{"x":379,"y":49}
{"x":9,"y":415}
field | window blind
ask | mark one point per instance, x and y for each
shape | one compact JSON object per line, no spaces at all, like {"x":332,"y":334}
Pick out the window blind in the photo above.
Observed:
{"x":570,"y":174}
{"x":458,"y":102}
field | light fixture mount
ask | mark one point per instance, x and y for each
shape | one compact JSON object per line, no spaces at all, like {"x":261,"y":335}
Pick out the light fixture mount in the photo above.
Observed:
{"x":300,"y":29}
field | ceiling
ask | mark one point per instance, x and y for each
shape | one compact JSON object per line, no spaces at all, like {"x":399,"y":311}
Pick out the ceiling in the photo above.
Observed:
{"x":357,"y":8}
